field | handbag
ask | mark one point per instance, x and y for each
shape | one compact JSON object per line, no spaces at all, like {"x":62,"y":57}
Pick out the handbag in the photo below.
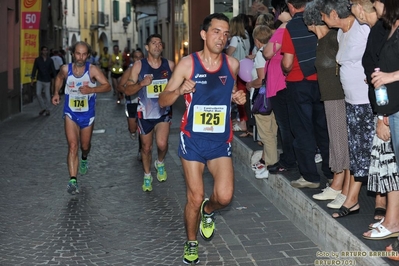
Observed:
{"x":261,"y":103}
{"x":240,"y":52}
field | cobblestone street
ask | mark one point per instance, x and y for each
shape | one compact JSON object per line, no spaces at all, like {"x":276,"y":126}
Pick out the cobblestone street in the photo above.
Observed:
{"x":112,"y":221}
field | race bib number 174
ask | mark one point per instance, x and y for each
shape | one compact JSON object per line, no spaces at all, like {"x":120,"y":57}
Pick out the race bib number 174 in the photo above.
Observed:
{"x":78,"y":103}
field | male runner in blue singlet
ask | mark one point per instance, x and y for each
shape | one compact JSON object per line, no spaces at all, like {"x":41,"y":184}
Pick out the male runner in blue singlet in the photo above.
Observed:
{"x":131,"y":101}
{"x":207,"y":79}
{"x":83,"y":81}
{"x":149,"y":77}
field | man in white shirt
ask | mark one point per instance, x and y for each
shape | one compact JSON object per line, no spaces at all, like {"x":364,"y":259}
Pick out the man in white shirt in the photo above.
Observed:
{"x":57,"y":60}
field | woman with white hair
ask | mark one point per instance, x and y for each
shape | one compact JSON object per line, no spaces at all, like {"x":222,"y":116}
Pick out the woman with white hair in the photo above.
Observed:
{"x":333,"y":96}
{"x":352,"y":39}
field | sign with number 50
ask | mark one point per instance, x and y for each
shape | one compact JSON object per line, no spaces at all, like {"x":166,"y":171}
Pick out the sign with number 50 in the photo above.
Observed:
{"x":30,"y":20}
{"x":30,"y":25}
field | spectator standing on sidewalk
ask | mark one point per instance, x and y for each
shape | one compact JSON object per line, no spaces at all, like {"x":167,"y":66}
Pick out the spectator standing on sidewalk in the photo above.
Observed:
{"x":383,"y":174}
{"x":383,"y":169}
{"x":43,"y":67}
{"x":79,"y":107}
{"x":352,"y":39}
{"x":388,"y":75}
{"x":333,"y":97}
{"x":148,"y":77}
{"x":307,"y":114}
{"x":265,"y":124}
{"x":207,"y":79}
{"x":239,"y":48}
{"x":276,"y":90}
{"x":57,"y":61}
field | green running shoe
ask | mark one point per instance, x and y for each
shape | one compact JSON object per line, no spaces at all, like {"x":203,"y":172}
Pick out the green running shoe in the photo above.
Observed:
{"x":191,"y":252}
{"x":73,"y":187}
{"x":161,"y":173}
{"x":83,"y":167}
{"x":147,"y":184}
{"x":207,"y":223}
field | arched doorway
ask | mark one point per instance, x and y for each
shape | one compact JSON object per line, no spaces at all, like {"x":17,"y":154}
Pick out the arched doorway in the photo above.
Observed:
{"x":103,"y":42}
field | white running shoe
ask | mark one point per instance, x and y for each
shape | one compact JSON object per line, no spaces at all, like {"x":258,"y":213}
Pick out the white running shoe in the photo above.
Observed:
{"x":337,"y":202}
{"x":257,"y":166}
{"x":327,"y":194}
{"x":262,"y":173}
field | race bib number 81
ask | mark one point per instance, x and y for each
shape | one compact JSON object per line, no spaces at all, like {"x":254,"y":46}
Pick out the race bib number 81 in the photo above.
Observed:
{"x":209,"y":118}
{"x":156,"y":87}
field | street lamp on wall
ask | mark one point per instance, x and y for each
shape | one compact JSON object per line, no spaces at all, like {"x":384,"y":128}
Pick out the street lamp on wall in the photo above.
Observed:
{"x":126,"y":21}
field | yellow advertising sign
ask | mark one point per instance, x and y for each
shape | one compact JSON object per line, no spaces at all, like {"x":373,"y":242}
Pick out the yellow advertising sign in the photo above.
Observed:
{"x":30,"y":24}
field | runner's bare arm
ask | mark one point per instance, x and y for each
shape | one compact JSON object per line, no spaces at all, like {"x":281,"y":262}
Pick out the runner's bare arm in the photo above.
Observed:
{"x":97,"y":75}
{"x":124,"y":81}
{"x":134,"y":85}
{"x":179,"y":83}
{"x":59,"y":81}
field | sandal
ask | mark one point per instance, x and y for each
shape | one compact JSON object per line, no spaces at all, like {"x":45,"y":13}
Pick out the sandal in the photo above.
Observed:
{"x":344,"y":211}
{"x":379,"y":211}
{"x":380,"y":233}
{"x":394,"y":249}
{"x":375,"y":225}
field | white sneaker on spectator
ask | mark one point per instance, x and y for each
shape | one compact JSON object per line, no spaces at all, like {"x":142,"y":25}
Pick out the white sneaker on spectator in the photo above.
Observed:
{"x":318,"y":158}
{"x":337,"y":202}
{"x":258,"y":166}
{"x":303,"y":183}
{"x":327,"y":194}
{"x":262,"y":173}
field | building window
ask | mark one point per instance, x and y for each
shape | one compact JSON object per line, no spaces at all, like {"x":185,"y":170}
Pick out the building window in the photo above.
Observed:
{"x":181,"y":29}
{"x":128,"y":9}
{"x":73,"y":7}
{"x":116,"y":10}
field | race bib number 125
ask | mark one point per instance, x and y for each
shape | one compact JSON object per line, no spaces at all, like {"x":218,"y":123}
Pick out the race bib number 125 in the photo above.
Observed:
{"x":209,"y":118}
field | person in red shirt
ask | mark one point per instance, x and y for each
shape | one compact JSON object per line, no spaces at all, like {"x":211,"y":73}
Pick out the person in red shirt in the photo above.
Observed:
{"x":307,"y":114}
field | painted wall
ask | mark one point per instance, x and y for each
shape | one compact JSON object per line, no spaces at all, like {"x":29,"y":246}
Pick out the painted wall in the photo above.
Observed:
{"x":71,"y":26}
{"x":10,"y":90}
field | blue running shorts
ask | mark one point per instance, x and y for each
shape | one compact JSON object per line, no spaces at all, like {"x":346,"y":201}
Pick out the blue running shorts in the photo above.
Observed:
{"x":81,"y":121}
{"x":147,"y":125}
{"x":201,"y":150}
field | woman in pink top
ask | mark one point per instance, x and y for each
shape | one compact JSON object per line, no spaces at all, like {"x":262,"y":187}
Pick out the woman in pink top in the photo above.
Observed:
{"x":275,"y":84}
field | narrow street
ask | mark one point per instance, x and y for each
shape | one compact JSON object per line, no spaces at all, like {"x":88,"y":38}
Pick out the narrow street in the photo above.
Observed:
{"x":112,"y":221}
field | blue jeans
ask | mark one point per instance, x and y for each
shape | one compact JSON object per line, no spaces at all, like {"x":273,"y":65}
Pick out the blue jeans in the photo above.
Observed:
{"x":309,"y":126}
{"x":280,"y":109}
{"x":394,"y":127}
